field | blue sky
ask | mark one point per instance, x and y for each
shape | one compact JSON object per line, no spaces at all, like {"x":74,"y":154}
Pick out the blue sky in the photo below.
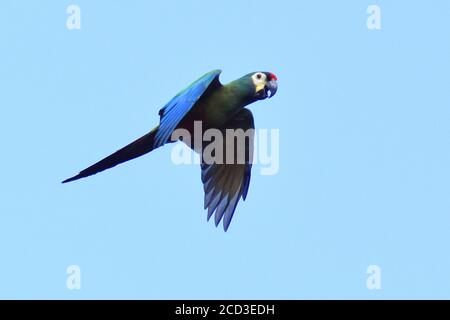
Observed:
{"x":364,"y":173}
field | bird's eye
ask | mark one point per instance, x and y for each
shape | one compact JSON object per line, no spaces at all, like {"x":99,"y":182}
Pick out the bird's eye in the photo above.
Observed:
{"x":259,"y":76}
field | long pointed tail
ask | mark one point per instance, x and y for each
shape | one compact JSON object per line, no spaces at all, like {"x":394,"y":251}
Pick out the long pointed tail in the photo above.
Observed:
{"x":135,"y":149}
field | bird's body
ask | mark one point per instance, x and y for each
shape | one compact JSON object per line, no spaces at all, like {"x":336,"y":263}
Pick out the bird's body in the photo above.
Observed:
{"x":213,"y":109}
{"x":216,"y":106}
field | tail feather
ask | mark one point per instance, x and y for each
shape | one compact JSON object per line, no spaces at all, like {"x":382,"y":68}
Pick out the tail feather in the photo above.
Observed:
{"x":135,"y":149}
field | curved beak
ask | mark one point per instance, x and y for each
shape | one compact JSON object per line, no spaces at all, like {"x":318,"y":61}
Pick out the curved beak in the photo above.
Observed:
{"x":271,"y":88}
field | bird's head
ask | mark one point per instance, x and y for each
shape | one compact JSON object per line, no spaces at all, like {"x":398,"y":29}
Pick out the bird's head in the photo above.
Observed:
{"x":265,"y":84}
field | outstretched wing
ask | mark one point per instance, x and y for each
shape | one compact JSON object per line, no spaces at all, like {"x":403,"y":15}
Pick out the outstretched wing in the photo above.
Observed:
{"x":224,"y":184}
{"x":177,"y":108}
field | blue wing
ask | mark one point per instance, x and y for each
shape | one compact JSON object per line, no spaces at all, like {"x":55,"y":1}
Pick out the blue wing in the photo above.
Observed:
{"x":225,"y":184}
{"x":177,"y":108}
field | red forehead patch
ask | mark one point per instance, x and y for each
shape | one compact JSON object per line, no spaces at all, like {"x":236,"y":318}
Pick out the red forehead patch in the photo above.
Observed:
{"x":272,"y":77}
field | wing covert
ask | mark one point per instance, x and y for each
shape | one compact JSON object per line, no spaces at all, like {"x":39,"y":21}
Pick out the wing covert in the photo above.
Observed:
{"x":177,"y":108}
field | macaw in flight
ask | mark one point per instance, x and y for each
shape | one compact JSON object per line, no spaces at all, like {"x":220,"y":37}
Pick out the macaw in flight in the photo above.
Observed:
{"x":216,"y":106}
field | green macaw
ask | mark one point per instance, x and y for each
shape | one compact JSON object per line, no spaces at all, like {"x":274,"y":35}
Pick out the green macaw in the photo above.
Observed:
{"x":216,"y":106}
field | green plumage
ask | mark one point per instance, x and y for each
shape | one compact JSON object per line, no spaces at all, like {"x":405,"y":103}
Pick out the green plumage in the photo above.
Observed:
{"x":216,"y":106}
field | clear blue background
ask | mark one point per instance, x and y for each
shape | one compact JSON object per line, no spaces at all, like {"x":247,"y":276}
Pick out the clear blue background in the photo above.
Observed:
{"x":364,"y":157}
